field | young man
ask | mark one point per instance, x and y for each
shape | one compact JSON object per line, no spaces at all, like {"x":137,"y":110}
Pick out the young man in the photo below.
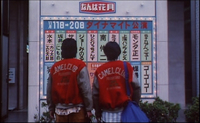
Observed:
{"x":69,"y":94}
{"x":109,"y":87}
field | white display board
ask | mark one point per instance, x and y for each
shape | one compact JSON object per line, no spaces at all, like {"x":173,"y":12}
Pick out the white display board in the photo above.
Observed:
{"x":134,"y":35}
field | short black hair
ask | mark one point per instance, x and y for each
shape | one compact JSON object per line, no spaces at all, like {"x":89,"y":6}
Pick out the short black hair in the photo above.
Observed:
{"x":112,"y":50}
{"x":69,"y":48}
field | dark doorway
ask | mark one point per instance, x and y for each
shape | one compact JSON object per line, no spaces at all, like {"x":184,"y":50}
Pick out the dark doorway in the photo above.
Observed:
{"x":14,"y":67}
{"x":190,"y":50}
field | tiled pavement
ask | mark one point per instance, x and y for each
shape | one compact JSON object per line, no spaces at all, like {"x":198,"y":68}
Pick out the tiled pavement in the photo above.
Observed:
{"x":17,"y":116}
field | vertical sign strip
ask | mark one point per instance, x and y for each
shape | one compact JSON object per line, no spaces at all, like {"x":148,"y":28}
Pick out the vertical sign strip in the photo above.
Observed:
{"x":146,"y":84}
{"x":47,"y":68}
{"x":146,"y":45}
{"x":49,"y":45}
{"x":102,"y":40}
{"x":135,"y":45}
{"x":92,"y":45}
{"x":91,"y":69}
{"x":124,"y":44}
{"x":114,"y":36}
{"x":137,"y":70}
{"x":81,"y":45}
{"x":71,"y":34}
{"x":60,"y":35}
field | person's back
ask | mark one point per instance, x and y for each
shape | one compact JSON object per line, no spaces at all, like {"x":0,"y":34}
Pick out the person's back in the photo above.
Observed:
{"x":109,"y":88}
{"x":69,"y":91}
{"x":111,"y":85}
{"x":65,"y":85}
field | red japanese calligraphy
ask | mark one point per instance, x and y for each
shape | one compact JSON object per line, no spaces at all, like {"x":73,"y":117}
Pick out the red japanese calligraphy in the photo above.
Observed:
{"x":105,"y":24}
{"x":135,"y":25}
{"x":127,"y":25}
{"x":121,"y":25}
{"x":89,"y":24}
{"x":97,"y":24}
{"x":144,"y":25}
{"x":113,"y":24}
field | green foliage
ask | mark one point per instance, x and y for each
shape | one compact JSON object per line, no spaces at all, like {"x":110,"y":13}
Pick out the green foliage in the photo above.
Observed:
{"x":160,"y":111}
{"x":45,"y":117}
{"x":192,"y":113}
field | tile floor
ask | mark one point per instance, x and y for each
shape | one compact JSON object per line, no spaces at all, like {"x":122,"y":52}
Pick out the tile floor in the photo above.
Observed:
{"x":17,"y":116}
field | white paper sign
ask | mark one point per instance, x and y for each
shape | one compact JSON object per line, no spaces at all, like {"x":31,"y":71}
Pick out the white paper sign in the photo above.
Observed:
{"x":11,"y":75}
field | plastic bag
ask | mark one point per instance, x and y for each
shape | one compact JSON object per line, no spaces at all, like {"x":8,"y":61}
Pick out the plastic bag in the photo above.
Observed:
{"x":133,"y":113}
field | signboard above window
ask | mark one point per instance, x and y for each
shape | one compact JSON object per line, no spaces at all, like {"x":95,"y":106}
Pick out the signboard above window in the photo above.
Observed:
{"x":97,"y":7}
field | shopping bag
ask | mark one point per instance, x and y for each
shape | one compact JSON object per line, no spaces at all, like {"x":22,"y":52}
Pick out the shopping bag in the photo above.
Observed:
{"x":133,"y":113}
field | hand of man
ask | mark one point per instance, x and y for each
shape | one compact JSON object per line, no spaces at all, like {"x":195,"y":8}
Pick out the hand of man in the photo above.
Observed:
{"x":89,"y":114}
{"x":51,"y":113}
{"x":98,"y":120}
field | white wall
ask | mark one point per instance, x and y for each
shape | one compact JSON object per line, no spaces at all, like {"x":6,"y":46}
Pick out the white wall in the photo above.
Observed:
{"x":162,"y":50}
{"x":33,"y":77}
{"x":71,"y":8}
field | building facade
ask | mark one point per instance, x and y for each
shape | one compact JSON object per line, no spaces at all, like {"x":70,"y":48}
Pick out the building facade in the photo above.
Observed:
{"x":159,"y":38}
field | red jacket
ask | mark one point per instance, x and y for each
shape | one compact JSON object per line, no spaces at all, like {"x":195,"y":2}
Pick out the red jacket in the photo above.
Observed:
{"x":112,"y":86}
{"x":64,"y":81}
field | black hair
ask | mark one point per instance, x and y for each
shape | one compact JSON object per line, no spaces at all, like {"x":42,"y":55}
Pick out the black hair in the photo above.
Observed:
{"x":69,"y":48}
{"x":112,"y":50}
